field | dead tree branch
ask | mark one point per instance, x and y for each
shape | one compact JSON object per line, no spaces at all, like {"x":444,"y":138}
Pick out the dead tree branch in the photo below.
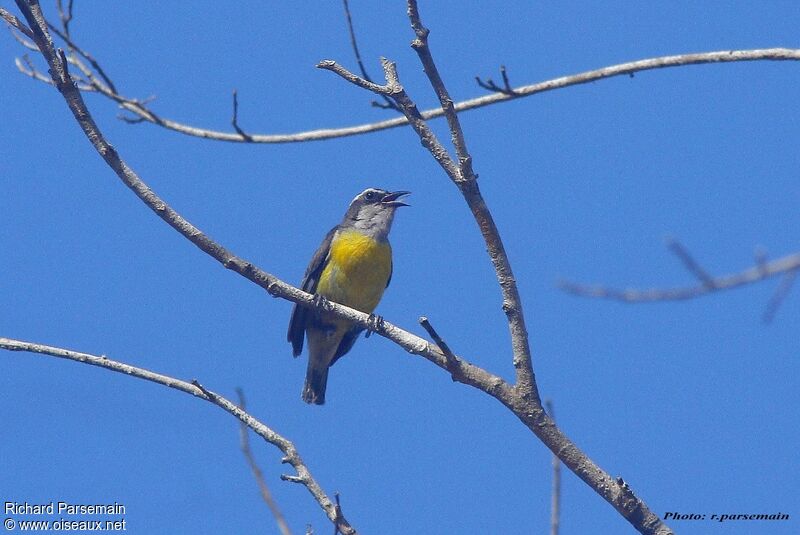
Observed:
{"x":489,"y":84}
{"x":143,"y":113}
{"x":290,"y":454}
{"x":787,"y":266}
{"x":536,"y":420}
{"x":467,"y":373}
{"x":523,"y":398}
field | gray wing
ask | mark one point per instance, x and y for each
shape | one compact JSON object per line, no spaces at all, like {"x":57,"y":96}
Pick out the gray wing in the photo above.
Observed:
{"x":300,"y":315}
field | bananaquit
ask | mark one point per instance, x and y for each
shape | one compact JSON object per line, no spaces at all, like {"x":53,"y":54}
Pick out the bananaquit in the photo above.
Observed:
{"x":352,"y":267}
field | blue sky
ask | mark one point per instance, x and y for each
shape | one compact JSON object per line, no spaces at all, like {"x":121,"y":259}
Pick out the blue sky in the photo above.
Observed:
{"x":693,"y":403}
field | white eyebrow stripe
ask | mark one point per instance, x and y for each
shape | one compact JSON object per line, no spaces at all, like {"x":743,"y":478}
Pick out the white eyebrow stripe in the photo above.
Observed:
{"x":363,"y":193}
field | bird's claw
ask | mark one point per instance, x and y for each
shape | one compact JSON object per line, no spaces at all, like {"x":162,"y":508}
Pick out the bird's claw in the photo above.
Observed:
{"x":321,"y":303}
{"x":374,"y":324}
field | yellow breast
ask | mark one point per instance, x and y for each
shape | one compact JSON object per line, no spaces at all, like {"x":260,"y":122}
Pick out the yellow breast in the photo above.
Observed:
{"x":357,"y":272}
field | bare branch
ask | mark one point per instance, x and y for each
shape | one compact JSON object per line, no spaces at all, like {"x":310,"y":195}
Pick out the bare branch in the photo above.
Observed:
{"x":25,"y":66}
{"x":65,"y":15}
{"x":534,"y":418}
{"x":387,"y":104}
{"x":467,"y":183}
{"x":330,"y":65}
{"x":336,"y":530}
{"x":235,"y":119}
{"x":779,"y":296}
{"x":689,"y":262}
{"x":15,"y":23}
{"x":467,"y":373}
{"x":26,"y":43}
{"x":86,"y":55}
{"x":266,"y":495}
{"x":555,"y":492}
{"x":522,"y":399}
{"x":491,"y":86}
{"x":761,"y":271}
{"x":145,"y":114}
{"x":451,"y":359}
{"x":772,"y":54}
{"x":291,"y":456}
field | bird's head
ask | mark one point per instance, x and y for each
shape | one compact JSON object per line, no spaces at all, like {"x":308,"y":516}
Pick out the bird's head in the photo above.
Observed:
{"x":372,"y":211}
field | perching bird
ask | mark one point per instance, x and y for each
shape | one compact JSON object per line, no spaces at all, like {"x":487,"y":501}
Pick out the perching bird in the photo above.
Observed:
{"x":353,"y":267}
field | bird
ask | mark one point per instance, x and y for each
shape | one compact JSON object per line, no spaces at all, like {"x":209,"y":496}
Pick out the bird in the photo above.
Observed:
{"x":353,"y":267}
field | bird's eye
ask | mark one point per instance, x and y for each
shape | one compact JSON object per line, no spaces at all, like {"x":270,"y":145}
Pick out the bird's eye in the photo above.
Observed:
{"x":370,"y":196}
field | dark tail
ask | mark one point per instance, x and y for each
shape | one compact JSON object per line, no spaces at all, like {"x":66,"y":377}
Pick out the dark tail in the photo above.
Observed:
{"x":316,"y":382}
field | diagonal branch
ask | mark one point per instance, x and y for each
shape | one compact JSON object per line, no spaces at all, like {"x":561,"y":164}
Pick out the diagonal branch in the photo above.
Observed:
{"x":777,"y":299}
{"x":467,"y":373}
{"x":15,"y":23}
{"x":388,"y":104}
{"x":144,"y":114}
{"x":692,"y":265}
{"x":467,"y":182}
{"x":266,"y":495}
{"x":290,"y":454}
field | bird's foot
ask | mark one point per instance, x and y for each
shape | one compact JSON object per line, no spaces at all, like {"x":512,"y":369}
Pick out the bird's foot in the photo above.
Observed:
{"x":321,"y":303}
{"x":374,"y":324}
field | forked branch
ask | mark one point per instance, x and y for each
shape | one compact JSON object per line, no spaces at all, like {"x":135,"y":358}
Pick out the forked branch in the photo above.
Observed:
{"x":523,"y":400}
{"x":786,"y":267}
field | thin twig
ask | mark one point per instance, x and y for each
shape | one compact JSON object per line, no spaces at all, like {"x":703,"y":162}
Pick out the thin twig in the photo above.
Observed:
{"x":26,"y":66}
{"x":30,"y":45}
{"x":235,"y":119}
{"x":689,"y":262}
{"x":783,"y":289}
{"x":64,"y":15}
{"x":451,"y":359}
{"x":145,"y":114}
{"x":15,"y":23}
{"x":489,"y":84}
{"x":773,"y":54}
{"x":266,"y":495}
{"x":555,"y":491}
{"x":387,"y":104}
{"x":291,"y":456}
{"x":761,"y":271}
{"x":86,"y":55}
{"x":336,"y":530}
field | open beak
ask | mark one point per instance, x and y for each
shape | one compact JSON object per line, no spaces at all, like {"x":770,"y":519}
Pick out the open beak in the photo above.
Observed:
{"x":393,"y":198}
